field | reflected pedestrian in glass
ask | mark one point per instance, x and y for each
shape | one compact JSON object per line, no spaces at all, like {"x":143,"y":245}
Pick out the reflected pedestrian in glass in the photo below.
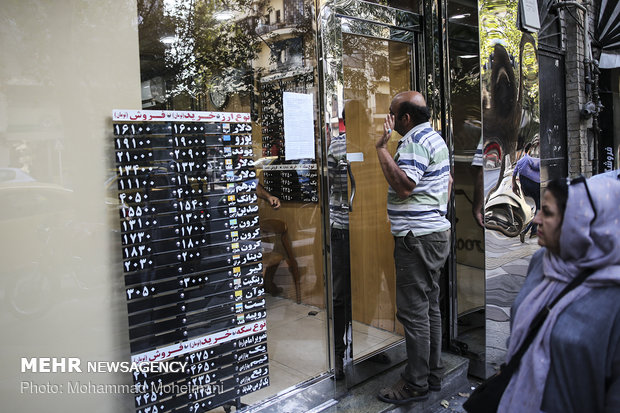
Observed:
{"x":527,"y":170}
{"x":341,"y":263}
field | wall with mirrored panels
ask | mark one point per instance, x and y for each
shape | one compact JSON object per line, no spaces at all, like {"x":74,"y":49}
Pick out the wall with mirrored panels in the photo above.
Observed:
{"x":510,"y":127}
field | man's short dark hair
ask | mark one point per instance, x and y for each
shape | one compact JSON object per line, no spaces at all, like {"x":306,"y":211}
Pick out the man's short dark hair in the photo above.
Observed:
{"x":419,"y":114}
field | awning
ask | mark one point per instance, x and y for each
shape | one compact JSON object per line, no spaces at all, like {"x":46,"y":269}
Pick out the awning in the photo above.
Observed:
{"x":607,"y":33}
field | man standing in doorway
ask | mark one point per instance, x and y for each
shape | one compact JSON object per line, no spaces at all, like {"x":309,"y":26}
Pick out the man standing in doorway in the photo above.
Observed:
{"x":419,"y":185}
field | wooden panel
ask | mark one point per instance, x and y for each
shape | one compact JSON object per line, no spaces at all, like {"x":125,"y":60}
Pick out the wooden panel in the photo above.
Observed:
{"x":373,"y":280}
{"x":372,"y":245}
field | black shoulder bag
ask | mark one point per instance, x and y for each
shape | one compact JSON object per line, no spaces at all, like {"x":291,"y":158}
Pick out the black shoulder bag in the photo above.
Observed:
{"x":485,"y":398}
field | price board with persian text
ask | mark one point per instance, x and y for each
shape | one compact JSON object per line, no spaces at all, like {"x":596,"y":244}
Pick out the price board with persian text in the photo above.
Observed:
{"x":191,"y":257}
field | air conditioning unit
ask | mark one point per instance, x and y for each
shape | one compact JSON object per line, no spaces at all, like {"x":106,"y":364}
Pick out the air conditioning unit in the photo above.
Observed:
{"x":154,"y":90}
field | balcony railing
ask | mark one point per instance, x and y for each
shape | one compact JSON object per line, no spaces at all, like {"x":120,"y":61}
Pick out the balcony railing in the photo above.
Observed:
{"x":268,"y":28}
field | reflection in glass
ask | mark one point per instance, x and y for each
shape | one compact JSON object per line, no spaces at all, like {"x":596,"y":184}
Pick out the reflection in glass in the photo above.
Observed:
{"x":468,"y":181}
{"x":409,"y":5}
{"x":526,"y":184}
{"x":368,"y":53}
{"x":510,"y":135}
{"x":196,"y":54}
{"x":339,"y":207}
{"x":510,"y":122}
{"x":242,"y":56}
{"x":374,"y":70}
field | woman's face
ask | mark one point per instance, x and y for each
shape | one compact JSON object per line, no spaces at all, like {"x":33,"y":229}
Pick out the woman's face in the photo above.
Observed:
{"x":549,"y":220}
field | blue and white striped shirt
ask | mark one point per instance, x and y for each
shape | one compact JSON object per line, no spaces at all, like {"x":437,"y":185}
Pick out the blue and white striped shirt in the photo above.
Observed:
{"x":423,"y":155}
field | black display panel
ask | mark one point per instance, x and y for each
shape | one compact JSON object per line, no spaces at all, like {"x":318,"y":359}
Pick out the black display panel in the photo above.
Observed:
{"x":191,"y":257}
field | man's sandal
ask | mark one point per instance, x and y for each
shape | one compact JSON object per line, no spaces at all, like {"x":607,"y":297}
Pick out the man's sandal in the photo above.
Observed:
{"x":402,"y":393}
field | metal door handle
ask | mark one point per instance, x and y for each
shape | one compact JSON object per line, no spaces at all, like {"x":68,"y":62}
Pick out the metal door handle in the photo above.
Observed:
{"x":352,"y":178}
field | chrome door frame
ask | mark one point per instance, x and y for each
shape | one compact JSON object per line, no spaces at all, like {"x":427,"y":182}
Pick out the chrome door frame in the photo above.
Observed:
{"x":371,"y":20}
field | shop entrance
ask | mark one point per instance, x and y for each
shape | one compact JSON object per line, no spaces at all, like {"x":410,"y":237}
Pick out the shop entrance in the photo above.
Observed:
{"x":370,"y":53}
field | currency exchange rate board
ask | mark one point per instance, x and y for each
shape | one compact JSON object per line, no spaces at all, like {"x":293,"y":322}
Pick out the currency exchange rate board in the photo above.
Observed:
{"x":191,"y":257}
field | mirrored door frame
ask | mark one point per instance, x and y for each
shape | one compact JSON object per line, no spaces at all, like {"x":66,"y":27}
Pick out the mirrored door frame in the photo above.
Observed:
{"x":369,"y":20}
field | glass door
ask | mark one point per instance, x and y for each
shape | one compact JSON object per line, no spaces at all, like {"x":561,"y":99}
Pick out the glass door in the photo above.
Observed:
{"x":369,"y":55}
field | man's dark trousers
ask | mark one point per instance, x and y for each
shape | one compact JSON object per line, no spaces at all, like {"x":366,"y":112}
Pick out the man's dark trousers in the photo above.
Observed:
{"x":419,"y":261}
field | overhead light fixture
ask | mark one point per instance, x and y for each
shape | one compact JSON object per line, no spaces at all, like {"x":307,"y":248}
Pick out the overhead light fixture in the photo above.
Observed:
{"x":468,"y":56}
{"x":459,"y":16}
{"x":168,"y":40}
{"x":224,"y":15}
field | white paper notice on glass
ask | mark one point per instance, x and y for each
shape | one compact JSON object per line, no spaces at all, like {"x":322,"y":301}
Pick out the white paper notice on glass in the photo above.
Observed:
{"x":298,"y":126}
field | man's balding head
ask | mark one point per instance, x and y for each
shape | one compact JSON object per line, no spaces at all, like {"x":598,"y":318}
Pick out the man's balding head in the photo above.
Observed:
{"x":411,"y":96}
{"x":409,"y":109}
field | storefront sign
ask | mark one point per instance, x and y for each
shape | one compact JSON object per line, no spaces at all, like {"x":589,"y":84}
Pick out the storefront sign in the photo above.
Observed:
{"x":530,"y":20}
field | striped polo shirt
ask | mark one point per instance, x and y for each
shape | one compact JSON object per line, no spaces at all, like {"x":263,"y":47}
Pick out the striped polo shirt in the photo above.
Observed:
{"x":423,"y":155}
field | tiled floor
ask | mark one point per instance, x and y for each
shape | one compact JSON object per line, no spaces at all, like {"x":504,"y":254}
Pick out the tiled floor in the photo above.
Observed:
{"x":297,"y":344}
{"x":367,"y":339}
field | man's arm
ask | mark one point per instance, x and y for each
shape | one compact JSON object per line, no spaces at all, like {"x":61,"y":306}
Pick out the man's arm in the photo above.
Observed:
{"x":396,"y":177}
{"x":262,"y":193}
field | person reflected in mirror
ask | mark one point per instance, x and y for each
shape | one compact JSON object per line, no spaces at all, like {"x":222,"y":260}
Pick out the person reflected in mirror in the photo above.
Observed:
{"x":502,"y":113}
{"x":340,"y":252}
{"x":526,"y":177}
{"x":419,"y":185}
{"x":573,"y":363}
{"x":262,"y":193}
{"x":274,"y":202}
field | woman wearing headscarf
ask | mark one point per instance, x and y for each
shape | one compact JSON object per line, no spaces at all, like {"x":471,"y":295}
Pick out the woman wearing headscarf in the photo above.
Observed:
{"x":573,"y":364}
